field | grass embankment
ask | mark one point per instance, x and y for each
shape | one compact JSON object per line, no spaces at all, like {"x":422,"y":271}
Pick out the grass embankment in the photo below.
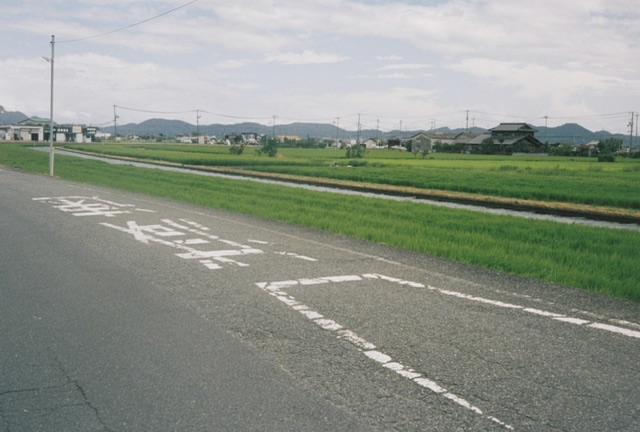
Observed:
{"x":581,"y":181}
{"x":596,"y":259}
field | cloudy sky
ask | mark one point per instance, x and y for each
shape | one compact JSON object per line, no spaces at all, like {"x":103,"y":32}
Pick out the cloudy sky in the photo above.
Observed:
{"x":395,"y":63}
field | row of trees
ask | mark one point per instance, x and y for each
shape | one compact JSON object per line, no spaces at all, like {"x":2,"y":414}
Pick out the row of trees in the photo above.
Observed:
{"x":489,"y":146}
{"x":606,"y":150}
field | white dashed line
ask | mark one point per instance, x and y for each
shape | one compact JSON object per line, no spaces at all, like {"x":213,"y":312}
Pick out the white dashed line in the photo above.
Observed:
{"x":615,"y":329}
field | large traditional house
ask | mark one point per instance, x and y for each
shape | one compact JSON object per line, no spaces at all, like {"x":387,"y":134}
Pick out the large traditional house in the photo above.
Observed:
{"x":507,"y":138}
{"x":425,"y":141}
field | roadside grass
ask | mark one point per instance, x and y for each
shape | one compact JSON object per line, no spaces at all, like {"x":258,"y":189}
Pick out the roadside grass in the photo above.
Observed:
{"x":541,"y":178}
{"x":595,"y":259}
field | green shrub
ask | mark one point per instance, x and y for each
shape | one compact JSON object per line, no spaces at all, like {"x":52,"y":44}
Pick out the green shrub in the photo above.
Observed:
{"x":236,"y":149}
{"x":358,"y":163}
{"x":356,"y":151}
{"x":606,"y":157}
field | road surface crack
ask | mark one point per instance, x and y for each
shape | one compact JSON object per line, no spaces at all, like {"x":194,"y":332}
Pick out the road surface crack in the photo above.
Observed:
{"x":85,"y":398}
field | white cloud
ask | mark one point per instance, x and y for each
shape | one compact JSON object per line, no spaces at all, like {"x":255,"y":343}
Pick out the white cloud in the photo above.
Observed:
{"x":231,"y":64}
{"x":396,"y":75}
{"x":504,"y":56}
{"x":533,"y":81}
{"x":305,"y":57}
{"x":389,"y":58}
{"x":413,"y":66}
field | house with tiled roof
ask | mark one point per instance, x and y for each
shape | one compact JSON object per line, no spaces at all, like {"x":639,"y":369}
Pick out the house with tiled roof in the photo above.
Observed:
{"x":425,"y":141}
{"x":506,"y":138}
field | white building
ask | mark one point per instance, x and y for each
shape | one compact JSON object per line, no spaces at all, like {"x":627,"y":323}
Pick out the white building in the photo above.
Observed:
{"x":37,"y":129}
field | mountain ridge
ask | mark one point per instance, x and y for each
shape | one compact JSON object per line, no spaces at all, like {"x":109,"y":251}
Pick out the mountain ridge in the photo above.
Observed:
{"x":571,"y":133}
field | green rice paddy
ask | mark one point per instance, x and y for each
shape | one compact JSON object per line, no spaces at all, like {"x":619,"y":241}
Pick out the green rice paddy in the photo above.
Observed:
{"x":596,"y":259}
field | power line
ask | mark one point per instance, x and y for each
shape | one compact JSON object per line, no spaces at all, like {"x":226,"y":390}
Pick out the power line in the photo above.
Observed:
{"x":130,"y":26}
{"x":154,"y":112}
{"x":591,"y":116}
{"x":479,"y":116}
{"x":197,"y":111}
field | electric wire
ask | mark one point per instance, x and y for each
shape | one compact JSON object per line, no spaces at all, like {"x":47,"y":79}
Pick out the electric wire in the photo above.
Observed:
{"x":129,"y":26}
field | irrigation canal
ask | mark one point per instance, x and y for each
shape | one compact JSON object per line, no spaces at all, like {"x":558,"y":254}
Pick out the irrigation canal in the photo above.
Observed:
{"x":477,"y":208}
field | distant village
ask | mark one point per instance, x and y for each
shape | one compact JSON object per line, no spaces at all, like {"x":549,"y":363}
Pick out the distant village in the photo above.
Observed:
{"x":505,"y":138}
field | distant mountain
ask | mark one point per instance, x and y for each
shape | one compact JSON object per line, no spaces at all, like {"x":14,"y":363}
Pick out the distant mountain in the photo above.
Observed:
{"x":570,"y":133}
{"x":172,"y":128}
{"x":154,"y":127}
{"x":9,"y":117}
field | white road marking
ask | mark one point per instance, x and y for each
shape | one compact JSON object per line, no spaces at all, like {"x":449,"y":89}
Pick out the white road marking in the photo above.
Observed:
{"x":211,"y":259}
{"x":615,"y":329}
{"x":258,"y":242}
{"x":626,"y":323}
{"x":577,"y":321}
{"x":294,"y":255}
{"x":497,"y":303}
{"x":87,"y":206}
{"x":542,"y":313}
{"x":191,"y":242}
{"x":367,"y":348}
{"x":356,"y":340}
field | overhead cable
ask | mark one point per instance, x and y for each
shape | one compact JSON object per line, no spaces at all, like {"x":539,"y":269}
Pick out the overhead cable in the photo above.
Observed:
{"x":129,"y":26}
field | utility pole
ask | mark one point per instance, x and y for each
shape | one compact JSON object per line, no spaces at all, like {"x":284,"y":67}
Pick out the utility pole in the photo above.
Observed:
{"x":377,"y":131}
{"x":545,"y":128}
{"x":636,"y":131}
{"x":198,"y":125}
{"x":53,"y":44}
{"x":115,"y":125}
{"x":631,"y":131}
{"x":337,"y":131}
{"x":358,"y":134}
{"x":467,"y":124}
{"x":274,"y":128}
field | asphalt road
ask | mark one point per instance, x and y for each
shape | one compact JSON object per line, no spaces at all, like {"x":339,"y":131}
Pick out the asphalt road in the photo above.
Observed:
{"x":121,"y":312}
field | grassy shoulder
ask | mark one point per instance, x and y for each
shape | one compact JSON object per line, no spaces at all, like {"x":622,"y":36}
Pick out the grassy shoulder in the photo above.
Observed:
{"x":595,"y":259}
{"x":582,"y":181}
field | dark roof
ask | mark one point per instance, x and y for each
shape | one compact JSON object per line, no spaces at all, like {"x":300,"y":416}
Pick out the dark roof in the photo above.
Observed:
{"x":507,"y":142}
{"x":513,"y":127}
{"x":478,"y":139}
{"x":31,"y":121}
{"x":438,"y":135}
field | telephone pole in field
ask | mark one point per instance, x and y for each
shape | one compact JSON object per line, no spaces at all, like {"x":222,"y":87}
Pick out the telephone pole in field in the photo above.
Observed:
{"x":631,"y":130}
{"x":115,"y":125}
